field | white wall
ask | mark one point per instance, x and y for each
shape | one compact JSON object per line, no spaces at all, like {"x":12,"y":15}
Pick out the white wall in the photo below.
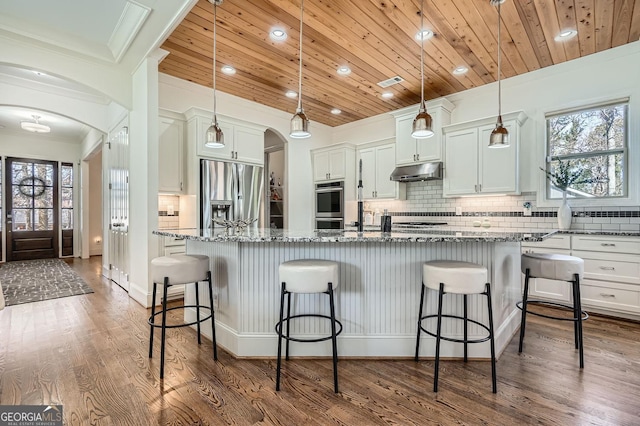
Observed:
{"x":95,"y":205}
{"x":38,"y":146}
{"x":179,"y":96}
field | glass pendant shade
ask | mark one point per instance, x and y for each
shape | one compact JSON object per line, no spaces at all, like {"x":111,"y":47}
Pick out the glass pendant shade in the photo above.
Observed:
{"x":499,"y":136}
{"x":422,"y":125}
{"x":299,"y":125}
{"x":214,"y":136}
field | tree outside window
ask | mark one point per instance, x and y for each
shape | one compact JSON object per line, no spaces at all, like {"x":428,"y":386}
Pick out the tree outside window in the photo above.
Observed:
{"x":593,"y":141}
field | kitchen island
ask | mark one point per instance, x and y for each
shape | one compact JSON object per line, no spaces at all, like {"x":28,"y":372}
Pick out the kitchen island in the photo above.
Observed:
{"x":378,"y":294}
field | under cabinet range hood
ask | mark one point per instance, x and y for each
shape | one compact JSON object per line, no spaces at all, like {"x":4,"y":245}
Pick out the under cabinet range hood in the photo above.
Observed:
{"x":417,"y":172}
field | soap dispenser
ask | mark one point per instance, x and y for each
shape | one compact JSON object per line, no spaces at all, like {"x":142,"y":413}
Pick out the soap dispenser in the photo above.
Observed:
{"x":377,"y":217}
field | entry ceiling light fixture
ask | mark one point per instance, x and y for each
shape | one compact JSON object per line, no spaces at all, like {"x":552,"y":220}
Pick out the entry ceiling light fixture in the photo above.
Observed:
{"x":422,"y":123}
{"x":35,"y":126}
{"x":300,"y":122}
{"x":214,"y":136}
{"x":499,"y":136}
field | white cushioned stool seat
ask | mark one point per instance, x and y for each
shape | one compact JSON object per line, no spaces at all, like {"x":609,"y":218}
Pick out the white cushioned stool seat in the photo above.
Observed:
{"x":180,"y":268}
{"x":308,"y":275}
{"x":552,"y":266}
{"x":457,"y":277}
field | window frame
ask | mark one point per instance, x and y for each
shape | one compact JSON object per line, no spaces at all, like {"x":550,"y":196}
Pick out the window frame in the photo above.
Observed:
{"x":630,"y":198}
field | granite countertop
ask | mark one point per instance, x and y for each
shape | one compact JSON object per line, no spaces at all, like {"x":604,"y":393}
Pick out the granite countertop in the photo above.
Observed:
{"x":427,"y":235}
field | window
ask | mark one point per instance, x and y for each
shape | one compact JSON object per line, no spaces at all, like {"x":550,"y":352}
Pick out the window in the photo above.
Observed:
{"x":592,"y":145}
{"x":66,"y":183}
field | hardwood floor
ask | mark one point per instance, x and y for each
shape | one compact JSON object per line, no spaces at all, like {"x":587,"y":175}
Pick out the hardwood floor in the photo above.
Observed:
{"x":89,"y":353}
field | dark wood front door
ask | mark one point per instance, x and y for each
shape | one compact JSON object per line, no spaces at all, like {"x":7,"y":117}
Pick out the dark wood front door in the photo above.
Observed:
{"x":32,"y":209}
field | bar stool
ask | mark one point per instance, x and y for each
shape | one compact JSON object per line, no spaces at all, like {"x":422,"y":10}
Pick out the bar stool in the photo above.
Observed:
{"x":458,"y":278}
{"x":554,"y":267}
{"x":307,"y":276}
{"x":174,"y":270}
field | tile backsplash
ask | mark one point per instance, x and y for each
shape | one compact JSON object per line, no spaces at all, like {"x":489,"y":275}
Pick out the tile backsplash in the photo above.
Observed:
{"x":425,"y":202}
{"x":168,"y":211}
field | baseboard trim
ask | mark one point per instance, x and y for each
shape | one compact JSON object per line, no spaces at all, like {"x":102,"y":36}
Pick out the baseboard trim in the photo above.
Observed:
{"x":140,"y":294}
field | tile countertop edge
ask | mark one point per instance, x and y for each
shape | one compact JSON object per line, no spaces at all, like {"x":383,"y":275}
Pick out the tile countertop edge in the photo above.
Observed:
{"x":280,"y":236}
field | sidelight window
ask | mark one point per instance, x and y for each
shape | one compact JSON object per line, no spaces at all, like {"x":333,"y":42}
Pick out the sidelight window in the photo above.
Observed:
{"x":66,"y":184}
{"x":591,"y":145}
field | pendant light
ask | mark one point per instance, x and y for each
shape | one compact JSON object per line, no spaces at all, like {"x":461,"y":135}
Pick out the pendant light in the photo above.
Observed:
{"x":300,"y":122}
{"x":214,"y":135}
{"x":499,"y":136}
{"x":422,"y":123}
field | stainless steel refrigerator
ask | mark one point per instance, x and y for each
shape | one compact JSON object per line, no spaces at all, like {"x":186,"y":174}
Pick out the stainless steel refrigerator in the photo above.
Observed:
{"x":230,"y":191}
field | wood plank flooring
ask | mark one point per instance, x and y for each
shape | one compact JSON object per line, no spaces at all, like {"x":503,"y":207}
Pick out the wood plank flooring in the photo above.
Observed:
{"x":89,"y":353}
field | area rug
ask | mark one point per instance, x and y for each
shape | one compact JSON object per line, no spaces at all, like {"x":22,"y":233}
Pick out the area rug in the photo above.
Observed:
{"x":35,"y":280}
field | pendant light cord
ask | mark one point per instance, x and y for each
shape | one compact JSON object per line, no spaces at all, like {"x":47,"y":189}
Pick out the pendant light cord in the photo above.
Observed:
{"x":215,"y":18}
{"x":422,"y":55}
{"x":499,"y":70}
{"x":300,"y":60}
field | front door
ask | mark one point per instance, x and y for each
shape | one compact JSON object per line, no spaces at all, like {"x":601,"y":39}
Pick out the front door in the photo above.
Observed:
{"x":32,"y":209}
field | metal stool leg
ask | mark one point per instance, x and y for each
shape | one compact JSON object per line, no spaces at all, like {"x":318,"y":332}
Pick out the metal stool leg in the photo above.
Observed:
{"x":578,"y":302}
{"x":465,"y":327}
{"x":334,"y":341}
{"x":438,"y":334}
{"x":164,"y":325}
{"x":279,"y":363}
{"x":494,"y":380}
{"x":152,"y":319}
{"x":523,"y":320}
{"x":576,"y":314}
{"x":420,"y":320}
{"x":286,"y":352}
{"x":198,"y":310}
{"x":213,"y":320}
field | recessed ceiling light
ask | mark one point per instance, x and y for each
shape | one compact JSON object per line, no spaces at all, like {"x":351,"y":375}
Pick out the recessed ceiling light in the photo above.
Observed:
{"x":565,"y":35}
{"x":278,"y":34}
{"x":228,"y":69}
{"x":335,"y":111}
{"x":387,"y":95}
{"x":344,"y":70}
{"x":424,"y":35}
{"x":460,"y":70}
{"x":291,"y":94}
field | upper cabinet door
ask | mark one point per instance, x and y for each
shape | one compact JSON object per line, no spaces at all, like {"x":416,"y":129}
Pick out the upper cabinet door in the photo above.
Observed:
{"x":170,"y":158}
{"x":224,"y":153}
{"x":498,"y":172}
{"x":249,"y":145}
{"x":386,"y":162}
{"x":461,"y":162}
{"x":321,"y":166}
{"x":405,"y":143}
{"x":368,"y":157}
{"x":337,"y":164}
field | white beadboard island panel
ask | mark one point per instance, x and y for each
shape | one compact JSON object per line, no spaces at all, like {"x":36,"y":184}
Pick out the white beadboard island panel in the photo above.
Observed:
{"x":377,"y":298}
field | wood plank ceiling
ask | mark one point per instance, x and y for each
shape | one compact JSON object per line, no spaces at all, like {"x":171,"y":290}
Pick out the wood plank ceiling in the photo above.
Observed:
{"x":376,"y":39}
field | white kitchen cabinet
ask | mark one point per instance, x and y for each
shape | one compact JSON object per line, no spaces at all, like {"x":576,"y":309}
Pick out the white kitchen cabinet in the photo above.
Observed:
{"x":472,"y":168}
{"x":544,"y":289}
{"x":331,"y":163}
{"x":244,"y":141}
{"x":611,"y":282}
{"x":415,"y":151}
{"x":170,"y":154}
{"x":378,"y":163}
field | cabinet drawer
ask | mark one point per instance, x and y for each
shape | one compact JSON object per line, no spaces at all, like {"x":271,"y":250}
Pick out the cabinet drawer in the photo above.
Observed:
{"x":605,"y":244}
{"x":557,"y":241}
{"x":612,"y":270}
{"x":174,"y":241}
{"x":610,"y":298}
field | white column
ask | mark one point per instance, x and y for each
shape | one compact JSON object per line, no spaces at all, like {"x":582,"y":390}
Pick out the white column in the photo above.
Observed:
{"x":143,"y":177}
